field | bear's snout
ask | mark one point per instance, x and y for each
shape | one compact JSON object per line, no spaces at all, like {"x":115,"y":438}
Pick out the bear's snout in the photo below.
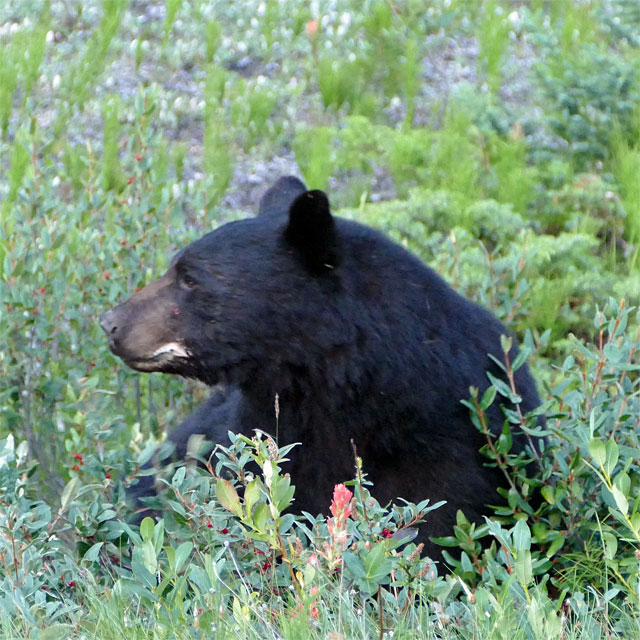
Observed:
{"x":108,"y":323}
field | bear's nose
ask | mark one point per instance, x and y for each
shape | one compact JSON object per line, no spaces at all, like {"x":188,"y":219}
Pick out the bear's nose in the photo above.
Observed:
{"x":107,"y":322}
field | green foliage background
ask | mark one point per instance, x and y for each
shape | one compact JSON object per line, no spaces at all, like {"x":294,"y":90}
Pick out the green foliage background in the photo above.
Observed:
{"x":499,"y":141}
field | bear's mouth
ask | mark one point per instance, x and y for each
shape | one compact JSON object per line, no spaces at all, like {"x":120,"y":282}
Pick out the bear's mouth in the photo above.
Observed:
{"x":163,"y":355}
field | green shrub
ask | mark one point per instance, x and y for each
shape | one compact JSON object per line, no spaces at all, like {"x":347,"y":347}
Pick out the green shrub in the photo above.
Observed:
{"x":513,"y":173}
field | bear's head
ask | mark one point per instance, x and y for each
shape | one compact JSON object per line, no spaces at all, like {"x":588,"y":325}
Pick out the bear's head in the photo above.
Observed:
{"x":250,"y":295}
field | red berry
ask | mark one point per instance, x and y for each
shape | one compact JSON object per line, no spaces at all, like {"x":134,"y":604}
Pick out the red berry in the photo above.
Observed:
{"x":71,"y":583}
{"x":266,"y":565}
{"x":130,"y":180}
{"x":107,"y":475}
{"x":209,"y":525}
{"x":224,"y":531}
{"x":42,"y":289}
{"x":75,"y":468}
{"x":138,"y":158}
{"x":386,"y":533}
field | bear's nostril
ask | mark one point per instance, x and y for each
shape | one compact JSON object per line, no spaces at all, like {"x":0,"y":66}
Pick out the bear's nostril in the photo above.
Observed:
{"x":107,"y":323}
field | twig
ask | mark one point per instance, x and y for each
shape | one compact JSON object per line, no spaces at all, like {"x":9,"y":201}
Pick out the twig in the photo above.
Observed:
{"x":502,"y":462}
{"x":358,"y":462}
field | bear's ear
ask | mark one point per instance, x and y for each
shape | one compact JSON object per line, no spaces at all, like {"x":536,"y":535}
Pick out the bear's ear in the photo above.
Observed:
{"x":312,"y":231}
{"x":278,"y":198}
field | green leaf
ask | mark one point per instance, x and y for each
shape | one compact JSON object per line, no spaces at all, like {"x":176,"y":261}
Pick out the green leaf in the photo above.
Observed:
{"x":521,"y":536}
{"x":93,"y":553}
{"x":142,"y":575}
{"x":285,"y":522}
{"x":621,"y":500}
{"x":501,"y":386}
{"x":611,"y":451}
{"x":354,"y":565}
{"x":488,"y":397}
{"x":69,"y":493}
{"x":228,"y":497}
{"x":283,"y":493}
{"x":260,"y":517}
{"x":610,"y":545}
{"x":178,"y":477}
{"x":146,"y":528}
{"x":377,"y":564}
{"x":623,"y":482}
{"x":523,"y":567}
{"x":521,"y":358}
{"x":555,"y":546}
{"x":252,"y":495}
{"x":131,"y":587}
{"x":548,"y":494}
{"x":148,"y":556}
{"x":171,"y":558}
{"x":598,"y":451}
{"x":182,"y":554}
{"x":158,"y":535}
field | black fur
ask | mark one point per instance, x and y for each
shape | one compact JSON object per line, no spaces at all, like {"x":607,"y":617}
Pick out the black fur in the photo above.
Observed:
{"x":278,"y":198}
{"x":359,"y":339}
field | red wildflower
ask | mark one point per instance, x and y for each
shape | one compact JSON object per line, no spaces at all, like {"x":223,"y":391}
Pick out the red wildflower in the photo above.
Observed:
{"x":341,"y":504}
{"x":75,"y":468}
{"x":312,"y":28}
{"x":130,"y":180}
{"x":340,"y":510}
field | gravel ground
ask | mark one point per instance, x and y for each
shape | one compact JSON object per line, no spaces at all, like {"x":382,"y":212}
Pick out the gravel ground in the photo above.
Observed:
{"x":178,"y":76}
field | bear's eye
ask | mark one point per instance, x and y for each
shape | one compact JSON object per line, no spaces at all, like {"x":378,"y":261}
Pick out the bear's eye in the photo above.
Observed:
{"x":187,"y":282}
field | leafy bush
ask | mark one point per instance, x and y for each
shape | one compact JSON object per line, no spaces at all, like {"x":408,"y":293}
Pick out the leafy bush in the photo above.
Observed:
{"x":585,"y":533}
{"x":227,"y":542}
{"x":497,"y":142}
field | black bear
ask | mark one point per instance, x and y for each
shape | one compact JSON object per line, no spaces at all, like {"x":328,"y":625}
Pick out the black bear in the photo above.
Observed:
{"x":215,"y":417}
{"x":359,"y":339}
